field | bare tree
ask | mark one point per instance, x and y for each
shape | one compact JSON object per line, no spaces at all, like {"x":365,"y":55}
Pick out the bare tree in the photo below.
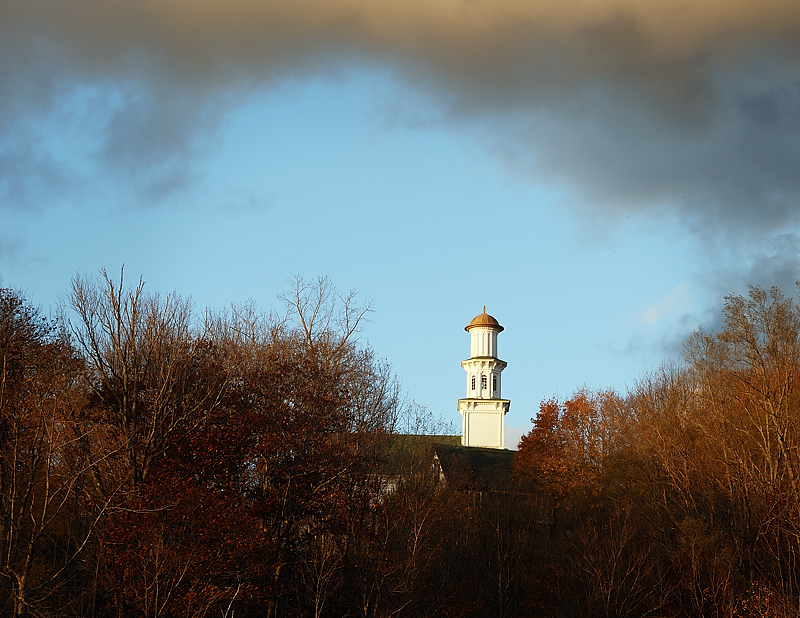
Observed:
{"x":327,"y":321}
{"x":141,"y":364}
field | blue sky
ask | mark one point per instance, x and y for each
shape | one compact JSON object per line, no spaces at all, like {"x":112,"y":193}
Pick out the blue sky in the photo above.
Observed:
{"x":599,"y":191}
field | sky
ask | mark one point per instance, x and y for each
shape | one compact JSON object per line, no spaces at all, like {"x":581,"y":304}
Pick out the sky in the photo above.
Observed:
{"x":598,"y":173}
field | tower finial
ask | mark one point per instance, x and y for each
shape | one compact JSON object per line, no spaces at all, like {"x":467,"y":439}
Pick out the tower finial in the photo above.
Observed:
{"x":484,"y":308}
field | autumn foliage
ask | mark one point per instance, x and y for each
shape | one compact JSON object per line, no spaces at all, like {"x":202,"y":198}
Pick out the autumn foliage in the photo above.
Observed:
{"x":681,"y":497}
{"x":565,"y":449}
{"x":243,"y":464}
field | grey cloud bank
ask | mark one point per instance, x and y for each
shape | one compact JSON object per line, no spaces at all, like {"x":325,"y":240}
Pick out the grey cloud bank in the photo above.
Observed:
{"x":685,"y":108}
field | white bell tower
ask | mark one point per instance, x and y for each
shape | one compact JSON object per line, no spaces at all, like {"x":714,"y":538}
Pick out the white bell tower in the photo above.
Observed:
{"x":483,"y":410}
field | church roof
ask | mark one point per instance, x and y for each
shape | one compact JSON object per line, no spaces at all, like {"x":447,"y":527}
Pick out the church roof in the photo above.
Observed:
{"x":471,"y":467}
{"x":484,"y":319}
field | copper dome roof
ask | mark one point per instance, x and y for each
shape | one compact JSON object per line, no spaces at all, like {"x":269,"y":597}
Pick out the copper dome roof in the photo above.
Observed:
{"x":484,"y":319}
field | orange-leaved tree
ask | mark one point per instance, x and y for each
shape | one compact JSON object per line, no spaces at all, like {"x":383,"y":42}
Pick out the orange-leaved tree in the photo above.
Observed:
{"x":566,"y":448}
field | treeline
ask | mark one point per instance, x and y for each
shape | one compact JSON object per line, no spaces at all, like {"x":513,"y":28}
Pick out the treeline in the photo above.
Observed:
{"x":157,"y":464}
{"x":681,"y":497}
{"x":154,"y":464}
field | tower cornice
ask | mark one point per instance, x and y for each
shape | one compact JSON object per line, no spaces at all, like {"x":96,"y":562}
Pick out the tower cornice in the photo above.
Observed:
{"x":484,"y":361}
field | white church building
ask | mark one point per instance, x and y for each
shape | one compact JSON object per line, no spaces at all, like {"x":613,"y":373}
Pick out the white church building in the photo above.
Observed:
{"x":483,"y":410}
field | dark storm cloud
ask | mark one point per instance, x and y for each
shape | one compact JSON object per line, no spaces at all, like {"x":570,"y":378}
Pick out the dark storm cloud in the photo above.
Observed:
{"x":665,"y":106}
